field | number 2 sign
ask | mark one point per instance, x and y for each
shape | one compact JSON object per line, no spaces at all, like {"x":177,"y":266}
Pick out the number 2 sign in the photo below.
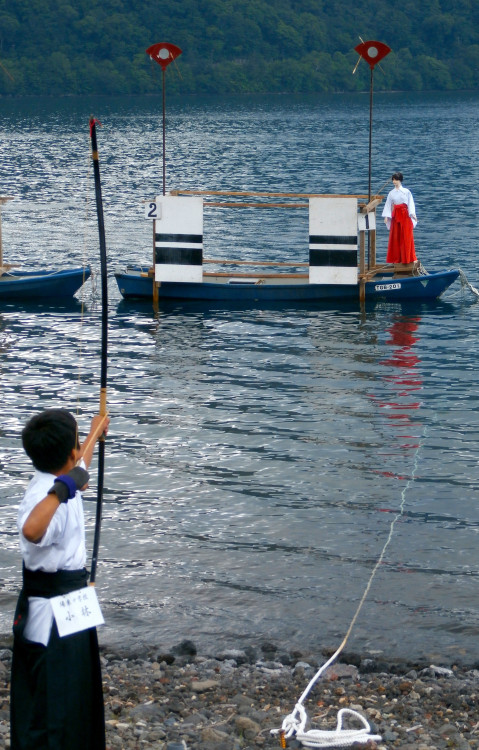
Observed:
{"x":153,"y":210}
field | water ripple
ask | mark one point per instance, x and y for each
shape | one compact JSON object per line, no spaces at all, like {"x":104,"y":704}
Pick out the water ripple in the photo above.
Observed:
{"x":256,"y":458}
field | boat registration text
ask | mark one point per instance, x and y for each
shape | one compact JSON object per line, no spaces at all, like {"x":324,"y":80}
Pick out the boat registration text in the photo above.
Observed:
{"x":386,"y":287}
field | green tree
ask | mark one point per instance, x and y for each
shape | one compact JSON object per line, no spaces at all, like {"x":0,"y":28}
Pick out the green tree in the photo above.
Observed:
{"x":98,"y":46}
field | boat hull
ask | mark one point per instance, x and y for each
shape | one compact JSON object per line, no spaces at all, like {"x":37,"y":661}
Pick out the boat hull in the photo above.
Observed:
{"x":32,"y":285}
{"x":132,"y":285}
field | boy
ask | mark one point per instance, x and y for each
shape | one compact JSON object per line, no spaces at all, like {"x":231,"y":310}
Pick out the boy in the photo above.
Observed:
{"x":56,"y":688}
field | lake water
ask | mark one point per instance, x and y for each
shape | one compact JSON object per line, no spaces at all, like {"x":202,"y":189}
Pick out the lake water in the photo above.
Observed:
{"x":257,"y":459}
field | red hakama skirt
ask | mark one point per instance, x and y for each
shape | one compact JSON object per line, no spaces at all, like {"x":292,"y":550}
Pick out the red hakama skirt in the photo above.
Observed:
{"x":401,"y":237}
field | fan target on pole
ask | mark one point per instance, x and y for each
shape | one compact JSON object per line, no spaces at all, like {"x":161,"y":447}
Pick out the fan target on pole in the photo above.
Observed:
{"x":163,"y":53}
{"x":373,"y":52}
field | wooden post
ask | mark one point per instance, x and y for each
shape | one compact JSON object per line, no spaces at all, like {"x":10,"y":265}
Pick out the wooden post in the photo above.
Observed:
{"x":372,"y":249}
{"x":3,"y":199}
{"x":370,"y":208}
{"x":362,"y":253}
{"x":362,"y":266}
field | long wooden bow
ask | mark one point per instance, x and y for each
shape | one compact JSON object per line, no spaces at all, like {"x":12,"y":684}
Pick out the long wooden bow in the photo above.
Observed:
{"x":104,"y":344}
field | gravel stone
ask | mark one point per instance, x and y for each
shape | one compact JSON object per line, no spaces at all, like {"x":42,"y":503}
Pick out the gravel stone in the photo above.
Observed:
{"x":180,"y":700}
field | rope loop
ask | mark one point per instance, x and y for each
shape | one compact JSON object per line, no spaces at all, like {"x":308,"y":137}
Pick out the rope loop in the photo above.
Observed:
{"x":339,"y":737}
{"x":295,"y":721}
{"x":295,"y":724}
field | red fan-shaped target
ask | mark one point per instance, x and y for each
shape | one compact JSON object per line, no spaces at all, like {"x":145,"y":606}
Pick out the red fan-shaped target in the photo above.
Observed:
{"x":163,"y":53}
{"x":373,"y":52}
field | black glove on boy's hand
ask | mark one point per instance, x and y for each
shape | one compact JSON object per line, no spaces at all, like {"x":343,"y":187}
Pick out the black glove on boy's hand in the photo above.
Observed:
{"x":66,"y":485}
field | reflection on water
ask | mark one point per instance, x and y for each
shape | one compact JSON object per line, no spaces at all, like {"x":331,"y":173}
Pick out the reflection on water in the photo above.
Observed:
{"x":254,"y":465}
{"x":406,"y":382}
{"x":256,"y":457}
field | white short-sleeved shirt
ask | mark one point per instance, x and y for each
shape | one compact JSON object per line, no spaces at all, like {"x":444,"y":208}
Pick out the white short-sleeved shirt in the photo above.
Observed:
{"x":395,"y":197}
{"x":62,"y":547}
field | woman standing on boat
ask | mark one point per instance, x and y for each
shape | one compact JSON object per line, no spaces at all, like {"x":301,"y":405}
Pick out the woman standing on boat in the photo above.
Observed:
{"x":400,"y":218}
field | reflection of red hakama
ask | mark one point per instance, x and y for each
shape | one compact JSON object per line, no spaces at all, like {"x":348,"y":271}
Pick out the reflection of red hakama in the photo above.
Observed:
{"x":401,"y":238}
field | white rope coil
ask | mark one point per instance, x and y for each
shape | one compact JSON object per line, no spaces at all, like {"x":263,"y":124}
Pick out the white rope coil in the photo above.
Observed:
{"x":295,"y":724}
{"x":339,"y":737}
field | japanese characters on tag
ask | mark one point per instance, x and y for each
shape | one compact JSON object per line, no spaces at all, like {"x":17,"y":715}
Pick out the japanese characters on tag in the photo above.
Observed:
{"x":76,"y":611}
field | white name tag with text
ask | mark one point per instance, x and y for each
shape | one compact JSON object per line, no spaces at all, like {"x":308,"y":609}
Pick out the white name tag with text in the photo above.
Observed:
{"x":76,"y":611}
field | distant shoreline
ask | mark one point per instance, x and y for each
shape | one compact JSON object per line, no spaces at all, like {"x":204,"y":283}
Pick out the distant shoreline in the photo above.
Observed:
{"x":175,"y":96}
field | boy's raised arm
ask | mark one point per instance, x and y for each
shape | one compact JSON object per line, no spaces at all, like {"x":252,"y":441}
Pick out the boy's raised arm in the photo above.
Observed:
{"x":63,"y":489}
{"x":99,"y":427}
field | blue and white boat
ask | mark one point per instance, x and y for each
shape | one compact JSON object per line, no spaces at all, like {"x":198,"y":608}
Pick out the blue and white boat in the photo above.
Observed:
{"x":29,"y":286}
{"x":136,"y":283}
{"x":340,"y":228}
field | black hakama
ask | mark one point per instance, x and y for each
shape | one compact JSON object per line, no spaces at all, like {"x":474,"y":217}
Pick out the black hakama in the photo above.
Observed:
{"x":56,"y":690}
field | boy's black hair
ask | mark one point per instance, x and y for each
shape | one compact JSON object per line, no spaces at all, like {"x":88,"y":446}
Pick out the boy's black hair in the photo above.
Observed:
{"x":397,"y":176}
{"x":49,"y":437}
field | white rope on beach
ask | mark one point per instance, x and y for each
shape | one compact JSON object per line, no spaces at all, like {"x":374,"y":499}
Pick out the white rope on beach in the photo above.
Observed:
{"x":339,"y":737}
{"x":295,"y":722}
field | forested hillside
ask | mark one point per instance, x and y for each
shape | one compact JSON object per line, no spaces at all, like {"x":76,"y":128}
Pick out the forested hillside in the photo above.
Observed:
{"x":62,"y":47}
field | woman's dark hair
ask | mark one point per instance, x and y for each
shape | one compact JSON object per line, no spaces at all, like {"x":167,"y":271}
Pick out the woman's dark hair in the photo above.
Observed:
{"x":397,"y":176}
{"x":49,"y":438}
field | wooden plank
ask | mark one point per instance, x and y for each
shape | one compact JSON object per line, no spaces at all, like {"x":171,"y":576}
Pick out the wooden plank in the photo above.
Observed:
{"x":398,"y":269}
{"x":405,"y":267}
{"x":366,"y":208}
{"x":376,"y":271}
{"x":254,"y":263}
{"x":260,"y":275}
{"x":258,"y":194}
{"x":381,"y":268}
{"x":6,"y":268}
{"x":224,"y":204}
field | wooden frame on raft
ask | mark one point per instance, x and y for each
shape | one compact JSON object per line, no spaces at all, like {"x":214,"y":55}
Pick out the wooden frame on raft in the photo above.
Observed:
{"x":365,"y":207}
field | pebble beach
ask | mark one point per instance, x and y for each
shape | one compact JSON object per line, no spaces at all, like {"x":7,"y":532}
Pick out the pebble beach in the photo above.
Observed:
{"x":182,"y":700}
